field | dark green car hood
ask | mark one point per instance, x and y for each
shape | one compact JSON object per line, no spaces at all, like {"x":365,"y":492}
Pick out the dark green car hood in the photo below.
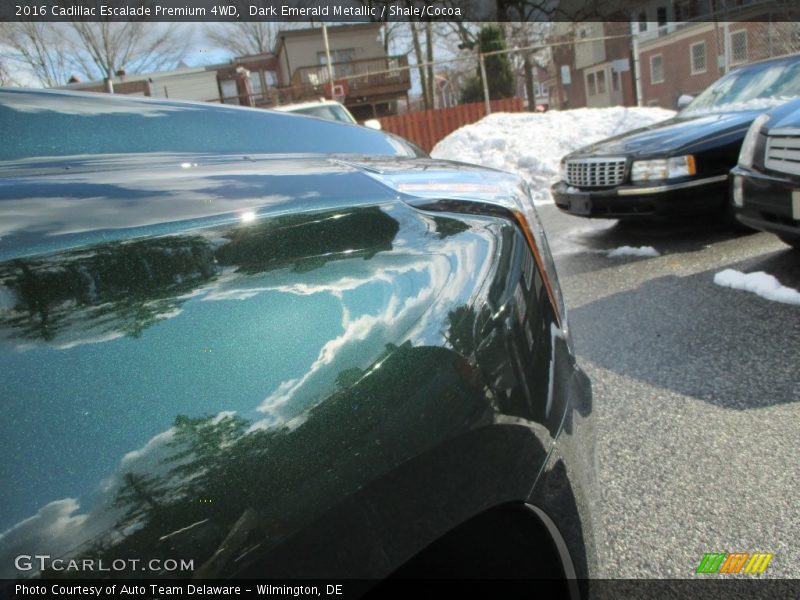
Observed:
{"x":188,"y":341}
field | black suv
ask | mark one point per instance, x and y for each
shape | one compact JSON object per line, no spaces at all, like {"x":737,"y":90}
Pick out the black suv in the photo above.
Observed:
{"x":766,"y":182}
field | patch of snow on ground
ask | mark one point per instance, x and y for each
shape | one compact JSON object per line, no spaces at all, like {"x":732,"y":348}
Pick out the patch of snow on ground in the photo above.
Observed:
{"x":532,"y":144}
{"x":759,"y":283}
{"x":647,"y":251}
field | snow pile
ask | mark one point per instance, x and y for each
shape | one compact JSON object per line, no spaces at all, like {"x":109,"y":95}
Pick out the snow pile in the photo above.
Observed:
{"x":646,"y":251}
{"x":760,"y":283}
{"x":532,"y":144}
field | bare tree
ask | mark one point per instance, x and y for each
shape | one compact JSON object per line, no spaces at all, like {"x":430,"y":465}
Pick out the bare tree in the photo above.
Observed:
{"x":431,"y":76}
{"x":39,"y":47}
{"x":523,"y":34}
{"x":6,"y":80}
{"x":423,"y":74}
{"x":55,"y":51}
{"x":244,"y":38}
{"x":102,"y":49}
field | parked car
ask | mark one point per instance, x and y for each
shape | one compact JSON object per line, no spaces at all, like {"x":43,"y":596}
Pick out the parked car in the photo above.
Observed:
{"x":327,"y":109}
{"x":236,"y":343}
{"x":766,"y":181}
{"x":679,"y":166}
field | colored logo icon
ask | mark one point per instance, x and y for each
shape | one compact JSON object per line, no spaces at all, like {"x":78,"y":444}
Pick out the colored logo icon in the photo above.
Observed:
{"x":735,"y":562}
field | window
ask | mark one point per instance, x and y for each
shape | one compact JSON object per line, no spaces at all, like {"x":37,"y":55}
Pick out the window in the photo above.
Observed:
{"x":540,"y":89}
{"x":615,"y":81}
{"x":340,"y":60}
{"x":738,"y":47}
{"x":255,"y":85}
{"x":656,"y":69}
{"x":642,"y":21}
{"x":258,"y":81}
{"x":690,"y":9}
{"x":337,"y":56}
{"x":591,"y":86}
{"x":230,"y":95}
{"x":601,"y":82}
{"x":661,"y":16}
{"x":697,"y":53}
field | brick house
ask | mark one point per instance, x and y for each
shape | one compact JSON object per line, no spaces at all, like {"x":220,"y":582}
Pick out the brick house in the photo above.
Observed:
{"x":592,"y":72}
{"x":679,"y":56}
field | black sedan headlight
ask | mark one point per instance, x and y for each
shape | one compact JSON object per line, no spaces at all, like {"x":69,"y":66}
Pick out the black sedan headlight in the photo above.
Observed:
{"x":663,"y":168}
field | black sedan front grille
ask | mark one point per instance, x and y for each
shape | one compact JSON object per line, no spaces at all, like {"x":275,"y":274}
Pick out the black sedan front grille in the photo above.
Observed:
{"x":783,"y":151}
{"x":595,"y":172}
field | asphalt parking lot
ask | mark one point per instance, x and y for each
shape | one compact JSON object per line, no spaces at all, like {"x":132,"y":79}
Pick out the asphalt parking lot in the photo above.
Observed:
{"x":696,"y":387}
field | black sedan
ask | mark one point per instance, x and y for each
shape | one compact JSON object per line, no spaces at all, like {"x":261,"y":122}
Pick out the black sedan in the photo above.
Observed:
{"x":679,"y":166}
{"x":238,"y":343}
{"x":766,"y":182}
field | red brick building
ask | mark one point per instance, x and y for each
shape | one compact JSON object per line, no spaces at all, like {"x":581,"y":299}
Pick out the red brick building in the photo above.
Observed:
{"x":685,"y":57}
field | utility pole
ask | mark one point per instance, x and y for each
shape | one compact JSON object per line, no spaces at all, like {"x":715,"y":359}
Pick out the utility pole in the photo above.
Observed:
{"x":485,"y":85}
{"x":328,"y":56}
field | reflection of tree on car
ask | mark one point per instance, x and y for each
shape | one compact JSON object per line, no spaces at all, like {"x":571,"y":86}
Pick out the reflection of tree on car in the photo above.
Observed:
{"x":221,"y":468}
{"x":115,"y":288}
{"x":124,"y":288}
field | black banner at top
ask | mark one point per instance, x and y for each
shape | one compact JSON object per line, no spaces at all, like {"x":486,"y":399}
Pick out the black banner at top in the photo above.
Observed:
{"x":367,"y":10}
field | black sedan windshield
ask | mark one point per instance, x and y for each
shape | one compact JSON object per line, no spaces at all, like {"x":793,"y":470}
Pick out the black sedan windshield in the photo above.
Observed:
{"x":750,"y":88}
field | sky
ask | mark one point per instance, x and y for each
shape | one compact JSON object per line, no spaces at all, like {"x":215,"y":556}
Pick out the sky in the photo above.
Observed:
{"x":201,"y":52}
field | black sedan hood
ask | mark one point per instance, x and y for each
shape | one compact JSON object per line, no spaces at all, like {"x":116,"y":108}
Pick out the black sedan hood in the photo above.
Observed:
{"x":670,"y":137}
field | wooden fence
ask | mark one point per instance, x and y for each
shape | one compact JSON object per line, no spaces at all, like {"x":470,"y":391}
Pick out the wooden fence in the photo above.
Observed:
{"x":427,"y":127}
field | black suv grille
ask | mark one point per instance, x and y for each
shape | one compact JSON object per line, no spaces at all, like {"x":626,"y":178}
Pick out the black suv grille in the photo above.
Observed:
{"x":783,"y":151}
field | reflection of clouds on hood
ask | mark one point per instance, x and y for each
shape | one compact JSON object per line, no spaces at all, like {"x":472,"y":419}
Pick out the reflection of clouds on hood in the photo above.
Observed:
{"x":75,"y":215}
{"x":107,"y":337}
{"x":54,"y":530}
{"x":70,"y":337}
{"x":335,"y":277}
{"x":419,"y":293}
{"x":160,"y":439}
{"x":468,"y":265}
{"x":369,"y":331}
{"x":61,"y":530}
{"x":122,"y":198}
